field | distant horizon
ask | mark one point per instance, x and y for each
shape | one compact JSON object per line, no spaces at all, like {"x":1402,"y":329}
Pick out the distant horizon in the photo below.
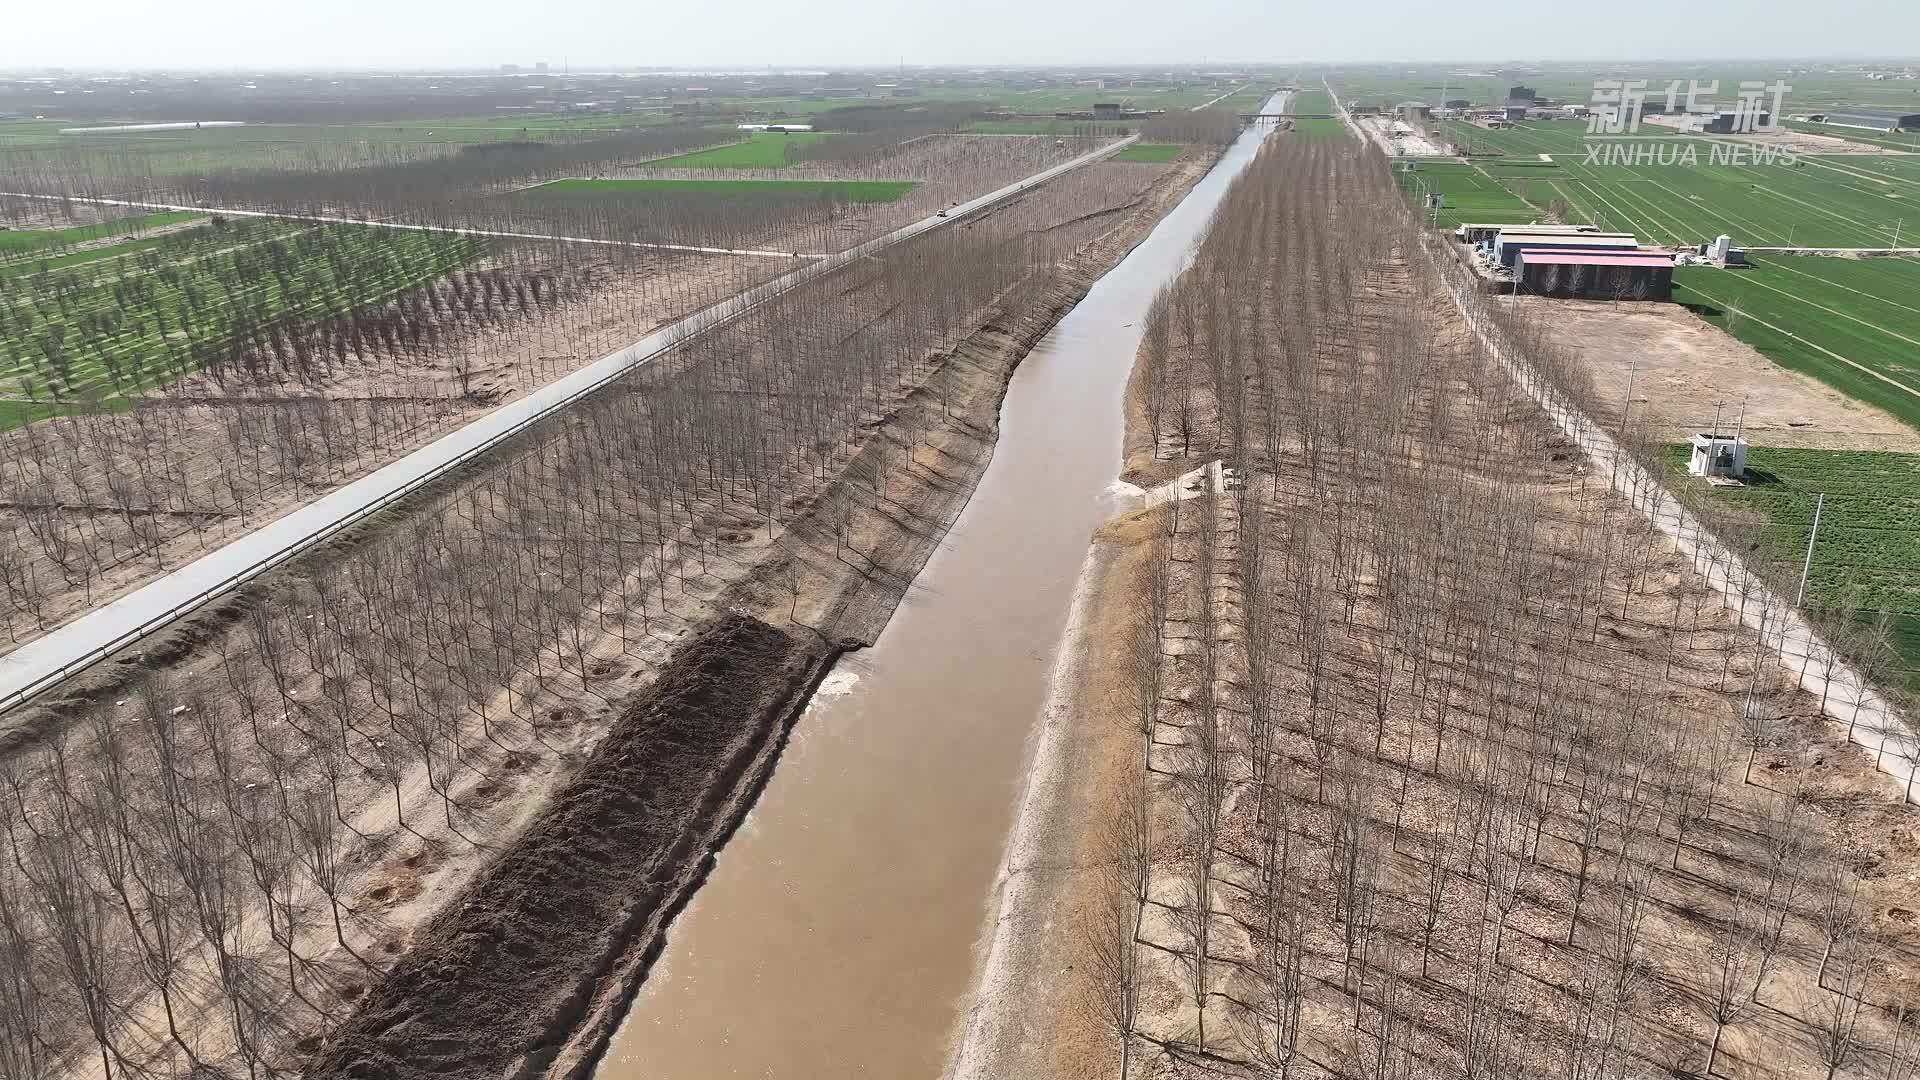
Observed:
{"x":525,"y":68}
{"x":429,"y":36}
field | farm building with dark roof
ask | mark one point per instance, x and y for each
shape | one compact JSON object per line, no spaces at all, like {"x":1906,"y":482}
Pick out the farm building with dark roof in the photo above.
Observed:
{"x":1882,"y":121}
{"x":1587,"y":275}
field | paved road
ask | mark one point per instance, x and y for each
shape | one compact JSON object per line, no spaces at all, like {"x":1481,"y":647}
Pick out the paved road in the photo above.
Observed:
{"x":41,"y":664}
{"x":331,"y":220}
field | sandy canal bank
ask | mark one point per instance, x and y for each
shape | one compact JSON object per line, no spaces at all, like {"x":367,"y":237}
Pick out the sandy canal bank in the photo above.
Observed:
{"x":840,"y":933}
{"x":584,"y":899}
{"x":1027,"y":1014}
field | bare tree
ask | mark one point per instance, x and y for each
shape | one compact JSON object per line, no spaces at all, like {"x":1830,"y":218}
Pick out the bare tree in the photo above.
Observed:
{"x":1836,"y":1038}
{"x":1736,"y":977}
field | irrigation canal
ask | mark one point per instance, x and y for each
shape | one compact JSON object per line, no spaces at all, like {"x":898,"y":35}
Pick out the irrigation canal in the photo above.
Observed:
{"x":838,"y":935}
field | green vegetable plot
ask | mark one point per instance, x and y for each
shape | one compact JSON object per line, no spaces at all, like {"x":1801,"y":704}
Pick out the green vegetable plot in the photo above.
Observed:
{"x":95,"y":333}
{"x":1869,"y":544}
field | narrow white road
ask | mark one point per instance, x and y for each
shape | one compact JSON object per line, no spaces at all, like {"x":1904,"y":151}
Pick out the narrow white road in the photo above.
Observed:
{"x":1870,"y":720}
{"x":41,"y":664}
{"x":1216,"y":101}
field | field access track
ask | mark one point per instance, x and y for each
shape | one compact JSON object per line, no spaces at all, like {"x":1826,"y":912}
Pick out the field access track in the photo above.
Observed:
{"x":45,"y":662}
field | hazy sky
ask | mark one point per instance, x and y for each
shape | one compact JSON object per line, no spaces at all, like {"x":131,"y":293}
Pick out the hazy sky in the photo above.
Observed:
{"x":596,"y":33}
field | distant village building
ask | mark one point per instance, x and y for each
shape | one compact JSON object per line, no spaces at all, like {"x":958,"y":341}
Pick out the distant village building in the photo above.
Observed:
{"x":1106,"y":110}
{"x":1727,"y":123}
{"x":1521,"y":93}
{"x":1874,"y":120}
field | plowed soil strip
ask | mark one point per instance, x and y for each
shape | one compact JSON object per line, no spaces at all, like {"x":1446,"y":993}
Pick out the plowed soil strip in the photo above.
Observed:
{"x":509,"y":979}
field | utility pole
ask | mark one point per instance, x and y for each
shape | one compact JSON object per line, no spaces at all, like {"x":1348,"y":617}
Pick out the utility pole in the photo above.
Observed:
{"x":1628,"y":407}
{"x":1807,"y":567}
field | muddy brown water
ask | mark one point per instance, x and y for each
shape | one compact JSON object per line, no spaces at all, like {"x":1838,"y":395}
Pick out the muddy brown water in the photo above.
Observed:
{"x":839,"y":932}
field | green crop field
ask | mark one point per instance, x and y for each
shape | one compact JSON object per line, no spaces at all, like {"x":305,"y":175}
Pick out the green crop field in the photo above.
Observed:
{"x":761,"y":150}
{"x":799,"y":110}
{"x":15,"y":414}
{"x":45,"y":134}
{"x":1823,"y":201}
{"x":30,"y":131}
{"x":1251,"y":97}
{"x":90,"y":336}
{"x":1471,"y":194}
{"x":14,"y":243}
{"x":1035,"y":127}
{"x":1868,"y":551}
{"x":859,"y":191}
{"x":1851,"y":323}
{"x":1152,"y":152}
{"x":267,"y":146}
{"x":1082,"y":98}
{"x":1317,"y":101}
{"x":40,"y":262}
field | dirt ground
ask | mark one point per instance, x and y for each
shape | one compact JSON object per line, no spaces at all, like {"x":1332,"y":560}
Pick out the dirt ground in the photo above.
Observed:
{"x":235,"y":458}
{"x":49,"y":214}
{"x":821,"y":586}
{"x":1660,"y":641}
{"x":1684,"y":370}
{"x":489,"y":989}
{"x":419,"y":841}
{"x":1785,"y":139}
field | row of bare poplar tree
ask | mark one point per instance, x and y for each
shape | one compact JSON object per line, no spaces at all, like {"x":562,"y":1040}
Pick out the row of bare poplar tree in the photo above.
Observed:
{"x":265,"y":360}
{"x":188,"y":864}
{"x":1445,"y":767}
{"x":248,"y":413}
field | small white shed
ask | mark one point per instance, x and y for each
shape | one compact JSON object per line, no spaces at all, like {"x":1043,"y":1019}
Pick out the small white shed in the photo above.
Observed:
{"x":1717,"y":457}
